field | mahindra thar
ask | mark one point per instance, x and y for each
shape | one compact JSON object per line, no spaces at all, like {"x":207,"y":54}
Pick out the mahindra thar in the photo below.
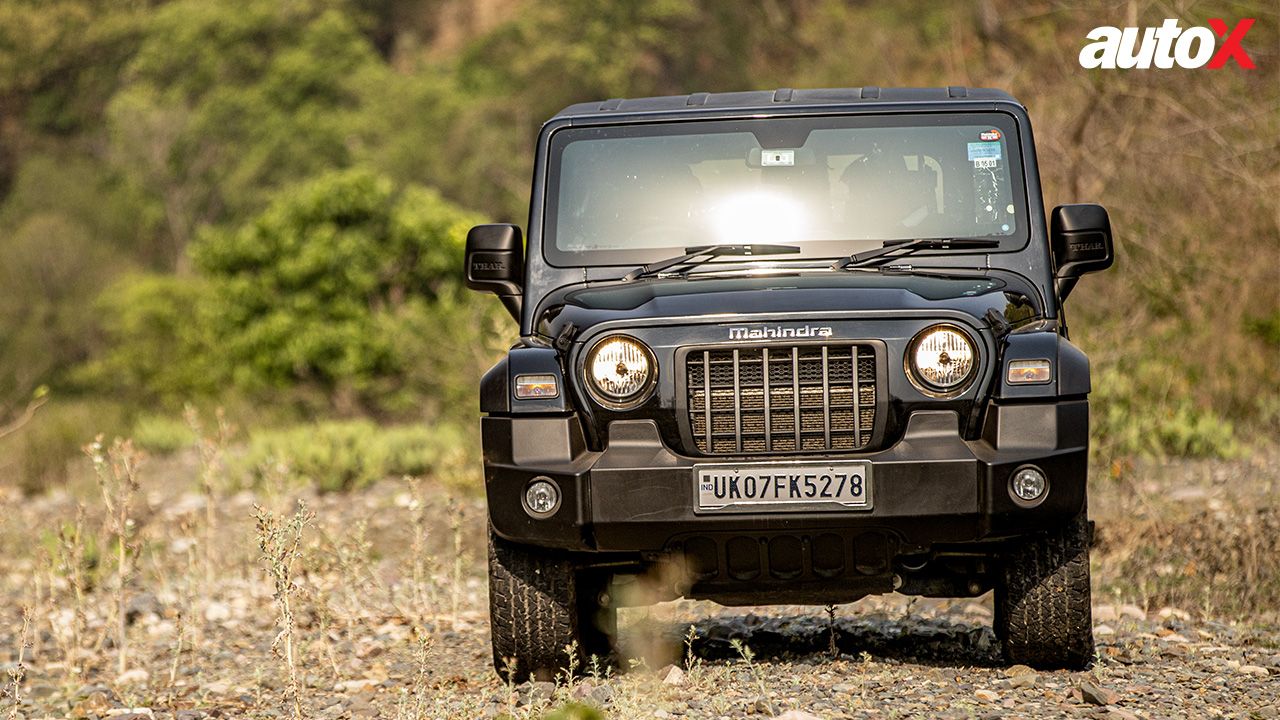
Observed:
{"x":793,"y":346}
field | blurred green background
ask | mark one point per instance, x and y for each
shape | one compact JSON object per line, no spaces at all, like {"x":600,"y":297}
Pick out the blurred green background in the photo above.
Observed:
{"x":261,"y":205}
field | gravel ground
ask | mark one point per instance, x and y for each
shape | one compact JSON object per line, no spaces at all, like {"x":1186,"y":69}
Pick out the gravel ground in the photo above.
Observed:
{"x":385,"y":632}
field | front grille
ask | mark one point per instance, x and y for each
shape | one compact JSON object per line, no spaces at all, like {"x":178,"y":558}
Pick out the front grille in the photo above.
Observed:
{"x":744,"y":409}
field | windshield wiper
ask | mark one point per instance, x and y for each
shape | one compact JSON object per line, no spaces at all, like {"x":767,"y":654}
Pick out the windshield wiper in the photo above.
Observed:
{"x":706,"y":253}
{"x":892,"y":249}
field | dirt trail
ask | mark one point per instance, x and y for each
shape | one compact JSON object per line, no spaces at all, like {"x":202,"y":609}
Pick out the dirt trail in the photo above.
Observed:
{"x":360,"y":612}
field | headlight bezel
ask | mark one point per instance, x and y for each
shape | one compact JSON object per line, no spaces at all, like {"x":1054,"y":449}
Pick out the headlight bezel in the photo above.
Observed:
{"x":604,"y":399}
{"x":917,"y":378}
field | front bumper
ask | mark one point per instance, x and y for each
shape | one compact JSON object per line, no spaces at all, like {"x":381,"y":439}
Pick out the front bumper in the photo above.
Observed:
{"x":932,"y":487}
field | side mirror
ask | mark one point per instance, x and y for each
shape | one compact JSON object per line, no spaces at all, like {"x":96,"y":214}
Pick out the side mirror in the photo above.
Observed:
{"x":1080,"y":236}
{"x":495,"y":263}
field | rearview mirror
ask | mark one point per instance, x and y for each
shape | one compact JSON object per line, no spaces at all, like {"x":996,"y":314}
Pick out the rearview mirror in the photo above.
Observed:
{"x":1080,"y":236}
{"x":495,"y":263}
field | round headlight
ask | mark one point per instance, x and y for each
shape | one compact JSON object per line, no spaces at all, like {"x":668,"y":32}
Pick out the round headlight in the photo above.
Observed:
{"x":941,"y":358}
{"x":620,"y":370}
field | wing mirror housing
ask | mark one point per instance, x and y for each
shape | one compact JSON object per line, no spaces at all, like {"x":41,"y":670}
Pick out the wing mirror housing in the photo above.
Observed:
{"x":1080,"y":237}
{"x":495,"y":263}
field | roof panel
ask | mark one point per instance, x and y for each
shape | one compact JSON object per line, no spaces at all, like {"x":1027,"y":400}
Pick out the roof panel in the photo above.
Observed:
{"x":784,"y":97}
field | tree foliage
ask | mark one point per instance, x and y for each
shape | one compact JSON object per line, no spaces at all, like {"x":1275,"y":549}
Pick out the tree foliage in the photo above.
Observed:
{"x":310,"y":293}
{"x":267,"y":197}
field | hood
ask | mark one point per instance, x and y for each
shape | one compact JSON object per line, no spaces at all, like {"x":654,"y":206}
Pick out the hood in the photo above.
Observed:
{"x":576,"y":309}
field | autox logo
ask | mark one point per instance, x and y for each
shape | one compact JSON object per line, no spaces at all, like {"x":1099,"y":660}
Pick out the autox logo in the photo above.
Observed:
{"x":1167,"y":45}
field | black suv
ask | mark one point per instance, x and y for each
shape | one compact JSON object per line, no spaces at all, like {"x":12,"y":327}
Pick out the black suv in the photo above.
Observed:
{"x":797,"y":346}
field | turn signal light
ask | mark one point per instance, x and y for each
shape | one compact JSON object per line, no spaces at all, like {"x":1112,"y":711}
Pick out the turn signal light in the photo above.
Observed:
{"x":532,"y":387}
{"x":1029,"y":372}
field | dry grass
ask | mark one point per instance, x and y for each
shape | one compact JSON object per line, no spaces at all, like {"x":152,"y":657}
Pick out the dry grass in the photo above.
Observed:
{"x":1206,"y":539}
{"x":377,"y":597}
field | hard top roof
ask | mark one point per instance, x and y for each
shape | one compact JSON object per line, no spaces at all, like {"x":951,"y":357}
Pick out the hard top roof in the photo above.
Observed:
{"x":782,"y":98}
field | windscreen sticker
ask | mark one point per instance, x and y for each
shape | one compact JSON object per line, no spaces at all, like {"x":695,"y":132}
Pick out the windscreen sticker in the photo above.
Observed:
{"x":984,"y":151}
{"x":778,"y":158}
{"x":989,"y":135}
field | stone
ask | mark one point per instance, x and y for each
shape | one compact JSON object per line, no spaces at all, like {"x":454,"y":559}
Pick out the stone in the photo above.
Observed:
{"x":137,"y":713}
{"x":986,"y":695}
{"x":603,"y":694}
{"x":797,"y":715}
{"x":1023,"y":681}
{"x":1133,"y":612}
{"x":1120,"y":714}
{"x":1166,"y":612}
{"x":762,"y":706}
{"x":1103,"y":630}
{"x":672,"y":675}
{"x":95,"y":704}
{"x":218,"y":687}
{"x":216,"y":612}
{"x":533,"y":692}
{"x":359,"y":706}
{"x":1256,"y":670}
{"x":1097,"y":695}
{"x":1105,"y":613}
{"x":136,"y":676}
{"x":357,"y":685}
{"x":1016,"y":670}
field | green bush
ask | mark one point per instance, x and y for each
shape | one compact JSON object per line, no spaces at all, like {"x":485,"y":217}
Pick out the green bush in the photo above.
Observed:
{"x":162,"y":434}
{"x":347,"y":455}
{"x":309,"y":296}
{"x":42,"y":453}
{"x":159,"y":342}
{"x":1135,"y":414}
{"x":574,"y":711}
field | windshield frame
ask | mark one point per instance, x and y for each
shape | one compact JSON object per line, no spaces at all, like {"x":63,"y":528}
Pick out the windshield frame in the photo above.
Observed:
{"x":561,"y":137}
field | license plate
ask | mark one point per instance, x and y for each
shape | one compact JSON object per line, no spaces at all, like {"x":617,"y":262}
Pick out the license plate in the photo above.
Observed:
{"x":783,"y":487}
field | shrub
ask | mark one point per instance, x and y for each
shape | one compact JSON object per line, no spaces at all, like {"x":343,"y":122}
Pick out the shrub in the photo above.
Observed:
{"x":309,"y":294}
{"x":1136,"y":414}
{"x":162,"y":434}
{"x":40,"y":454}
{"x":347,"y":455}
{"x":159,"y":342}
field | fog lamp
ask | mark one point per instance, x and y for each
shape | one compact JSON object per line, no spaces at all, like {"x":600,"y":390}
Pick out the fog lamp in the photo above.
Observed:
{"x":542,"y":497}
{"x":1028,"y":485}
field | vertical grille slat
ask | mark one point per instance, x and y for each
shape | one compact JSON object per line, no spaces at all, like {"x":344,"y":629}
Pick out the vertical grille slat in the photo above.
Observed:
{"x":857,"y":411}
{"x":737,"y":401}
{"x":790,"y":398}
{"x":768,"y":419}
{"x":706,"y":395}
{"x":795,"y":393}
{"x":826,"y":400}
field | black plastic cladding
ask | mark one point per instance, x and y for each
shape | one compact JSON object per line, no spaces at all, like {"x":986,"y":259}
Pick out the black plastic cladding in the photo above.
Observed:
{"x":1032,"y":261}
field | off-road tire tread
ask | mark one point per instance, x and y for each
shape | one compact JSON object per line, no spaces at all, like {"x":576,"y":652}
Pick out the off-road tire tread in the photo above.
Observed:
{"x":1043,"y":614}
{"x":535,"y":611}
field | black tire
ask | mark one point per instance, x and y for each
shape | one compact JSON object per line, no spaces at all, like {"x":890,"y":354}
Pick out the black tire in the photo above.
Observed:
{"x":541,"y":603}
{"x":1043,"y":614}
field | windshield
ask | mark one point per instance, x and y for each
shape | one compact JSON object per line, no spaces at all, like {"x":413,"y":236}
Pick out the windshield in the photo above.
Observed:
{"x":833,"y":185}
